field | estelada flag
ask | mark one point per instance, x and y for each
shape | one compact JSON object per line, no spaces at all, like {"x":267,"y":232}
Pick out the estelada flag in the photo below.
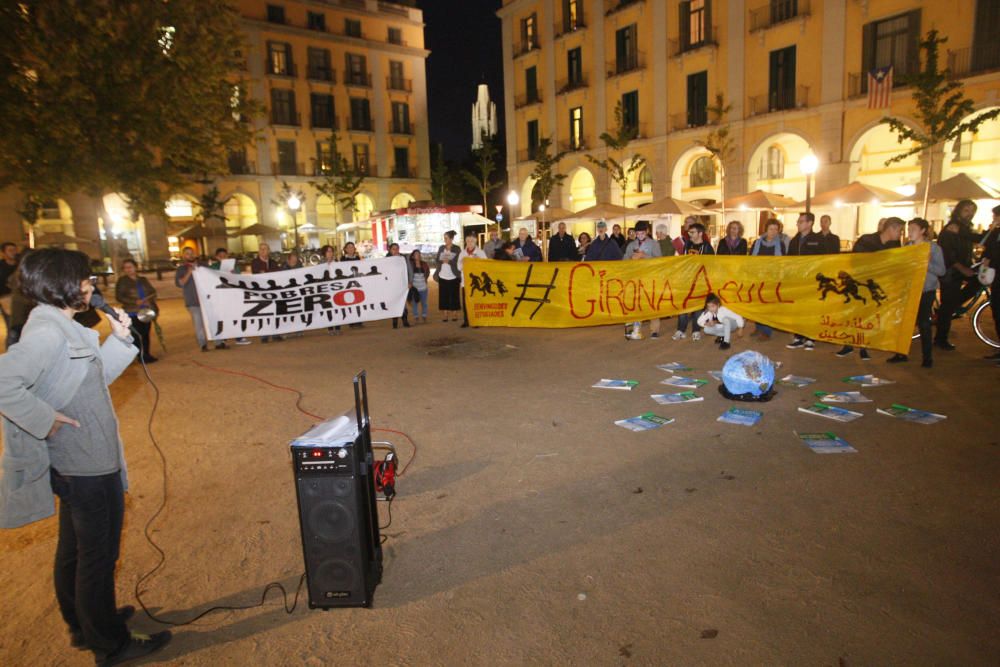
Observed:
{"x":863,"y":299}
{"x":880,"y":88}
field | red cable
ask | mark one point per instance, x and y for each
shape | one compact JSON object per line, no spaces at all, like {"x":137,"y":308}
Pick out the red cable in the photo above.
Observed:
{"x":306,"y":412}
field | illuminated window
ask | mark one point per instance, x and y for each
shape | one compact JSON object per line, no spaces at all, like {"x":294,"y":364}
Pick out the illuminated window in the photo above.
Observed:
{"x":703,"y":172}
{"x":576,"y":128}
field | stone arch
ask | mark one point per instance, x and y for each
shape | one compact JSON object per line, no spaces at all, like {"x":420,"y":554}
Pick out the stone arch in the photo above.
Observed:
{"x":681,"y":187}
{"x":774,"y":165}
{"x":527,"y":203}
{"x":582,"y":189}
{"x":241,"y":211}
{"x":977,"y":155}
{"x":365,"y":205}
{"x":869,"y":151}
{"x":402,"y":200}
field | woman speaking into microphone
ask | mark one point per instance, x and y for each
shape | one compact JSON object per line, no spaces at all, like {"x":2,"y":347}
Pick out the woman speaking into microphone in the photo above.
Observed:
{"x":60,"y":436}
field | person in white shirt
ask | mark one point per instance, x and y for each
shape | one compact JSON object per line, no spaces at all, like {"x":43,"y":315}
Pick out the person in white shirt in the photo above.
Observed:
{"x":470,"y":251}
{"x":719,"y":321}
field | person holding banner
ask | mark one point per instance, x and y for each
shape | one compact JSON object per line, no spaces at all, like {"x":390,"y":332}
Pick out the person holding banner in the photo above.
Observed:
{"x":642,"y":247}
{"x":667,"y":248}
{"x":394,"y":252}
{"x":733,"y":242}
{"x":892,"y":229}
{"x":526,"y":250}
{"x":562,"y":247}
{"x":604,"y":248}
{"x":472,"y":250}
{"x":769,"y":245}
{"x":831,"y":242}
{"x":806,"y":242}
{"x":263,"y":263}
{"x":183,"y":279}
{"x":448,"y":277}
{"x":418,"y":270}
{"x":695,"y":244}
{"x":351,"y":255}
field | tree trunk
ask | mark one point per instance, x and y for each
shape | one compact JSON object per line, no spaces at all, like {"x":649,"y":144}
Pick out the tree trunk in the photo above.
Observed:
{"x":722,"y":193}
{"x":927,"y":182}
{"x":106,"y":224}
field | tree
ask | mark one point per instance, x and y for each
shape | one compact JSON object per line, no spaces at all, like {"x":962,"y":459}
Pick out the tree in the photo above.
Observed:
{"x":620,"y":171}
{"x":719,"y":144}
{"x":484,"y":164}
{"x":545,"y":173}
{"x":341,"y":182}
{"x":124,"y":96}
{"x":941,"y":108}
{"x":442,"y":177}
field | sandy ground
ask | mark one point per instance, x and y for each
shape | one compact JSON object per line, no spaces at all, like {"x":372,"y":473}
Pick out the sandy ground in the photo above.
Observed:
{"x":531,"y":530}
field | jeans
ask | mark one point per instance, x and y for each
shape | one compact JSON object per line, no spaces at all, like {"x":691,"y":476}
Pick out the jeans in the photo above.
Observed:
{"x":953,"y":294}
{"x":199,"y":325}
{"x":763,"y":329}
{"x":682,"y":322}
{"x":421,"y":304}
{"x":924,"y":323}
{"x":90,"y":526}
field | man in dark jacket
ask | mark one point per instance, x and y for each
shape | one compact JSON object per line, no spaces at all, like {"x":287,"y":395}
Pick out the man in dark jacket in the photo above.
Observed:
{"x":263,"y":263}
{"x":888,"y":238}
{"x":959,"y":284}
{"x":562,"y":247}
{"x":806,"y":242}
{"x":831,"y":242}
{"x":525,"y":249}
{"x":603,"y":248}
{"x":618,"y":237}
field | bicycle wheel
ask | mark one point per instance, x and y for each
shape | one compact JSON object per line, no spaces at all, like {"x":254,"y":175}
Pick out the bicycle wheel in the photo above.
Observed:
{"x":983,"y":325}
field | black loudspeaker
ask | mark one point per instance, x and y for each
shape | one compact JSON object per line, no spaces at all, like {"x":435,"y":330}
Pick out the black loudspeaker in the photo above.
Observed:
{"x":338,"y":516}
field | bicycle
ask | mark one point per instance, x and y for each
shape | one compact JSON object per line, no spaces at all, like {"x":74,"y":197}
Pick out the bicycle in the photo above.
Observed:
{"x":980,"y":305}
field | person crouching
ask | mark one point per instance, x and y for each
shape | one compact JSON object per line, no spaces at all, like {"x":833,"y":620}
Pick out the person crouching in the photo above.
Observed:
{"x":719,"y":321}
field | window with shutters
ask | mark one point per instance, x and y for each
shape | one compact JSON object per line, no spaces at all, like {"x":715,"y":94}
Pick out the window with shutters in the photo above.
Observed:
{"x":318,"y":67}
{"x":630,"y":110}
{"x":287,"y":157}
{"x":626,"y":49}
{"x":361,"y":162}
{"x":697,"y":99}
{"x":892,"y":42}
{"x":574,"y":67}
{"x":645,"y":181}
{"x":703,"y":172}
{"x":772,"y":164}
{"x":395,"y":36}
{"x":321,"y":107}
{"x":400,"y":118}
{"x":401,"y":155}
{"x":529,"y":33}
{"x":352,"y":27}
{"x":283,"y":107}
{"x":279,"y":59}
{"x":396,"y":79}
{"x":781,"y":84}
{"x":275,"y":14}
{"x":531,"y":85}
{"x":572,"y":15}
{"x":316,"y":21}
{"x":985,"y":45}
{"x":532,"y":132}
{"x":695,"y":24}
{"x":357,"y":70}
{"x":361,"y":118}
{"x":324,"y":157}
{"x":576,"y":128}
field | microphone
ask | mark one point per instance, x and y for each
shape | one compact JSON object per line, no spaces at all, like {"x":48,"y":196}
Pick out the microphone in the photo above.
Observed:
{"x":98,"y":302}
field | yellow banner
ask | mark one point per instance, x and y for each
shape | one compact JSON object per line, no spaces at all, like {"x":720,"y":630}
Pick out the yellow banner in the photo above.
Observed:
{"x":865,"y":299}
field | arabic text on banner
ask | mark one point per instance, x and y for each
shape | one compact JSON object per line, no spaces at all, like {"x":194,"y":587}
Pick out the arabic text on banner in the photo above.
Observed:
{"x":865,"y":299}
{"x":314,"y":297}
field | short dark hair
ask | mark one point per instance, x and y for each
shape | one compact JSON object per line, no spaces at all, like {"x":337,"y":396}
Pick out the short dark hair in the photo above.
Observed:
{"x":451,"y":234}
{"x":6,"y":244}
{"x":710,"y":299}
{"x":53,"y":276}
{"x":773,"y":221}
{"x":218,"y":250}
{"x":501,"y":252}
{"x":129,"y":260}
{"x":697,"y":225}
{"x":809,"y":215}
{"x":323,"y":250}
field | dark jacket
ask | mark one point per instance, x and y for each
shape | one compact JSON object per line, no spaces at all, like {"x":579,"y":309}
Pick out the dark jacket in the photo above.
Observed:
{"x":722,"y":248}
{"x":127,"y":293}
{"x":831,"y":243}
{"x":809,"y":244}
{"x":620,"y":240}
{"x":529,"y":249}
{"x":870,"y":243}
{"x":667,"y":248}
{"x":957,"y":248}
{"x":260,"y":266}
{"x":562,"y":248}
{"x":603,"y":250}
{"x":703,"y":248}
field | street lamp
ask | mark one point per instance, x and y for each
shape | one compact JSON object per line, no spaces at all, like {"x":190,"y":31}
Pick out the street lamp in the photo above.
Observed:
{"x":512,"y":200}
{"x":808,"y":166}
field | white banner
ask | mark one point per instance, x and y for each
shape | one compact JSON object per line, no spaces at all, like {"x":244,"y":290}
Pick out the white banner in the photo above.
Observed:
{"x":314,"y":297}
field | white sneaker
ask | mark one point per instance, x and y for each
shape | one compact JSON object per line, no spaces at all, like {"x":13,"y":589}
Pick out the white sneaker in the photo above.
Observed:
{"x":809,"y":346}
{"x":243,"y":341}
{"x":696,"y":336}
{"x":678,"y":335}
{"x":635,"y":335}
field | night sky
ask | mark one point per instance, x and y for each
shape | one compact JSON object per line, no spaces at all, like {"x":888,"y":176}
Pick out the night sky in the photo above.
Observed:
{"x":463,"y":37}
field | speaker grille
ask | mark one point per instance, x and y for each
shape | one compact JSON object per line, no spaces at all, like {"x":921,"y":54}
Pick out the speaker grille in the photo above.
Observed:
{"x":331,"y":521}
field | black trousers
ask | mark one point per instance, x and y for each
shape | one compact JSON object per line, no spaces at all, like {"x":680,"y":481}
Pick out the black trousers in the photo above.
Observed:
{"x":995,"y":302}
{"x":144,"y":329}
{"x":924,"y":323}
{"x":91,"y":510}
{"x":953,"y":294}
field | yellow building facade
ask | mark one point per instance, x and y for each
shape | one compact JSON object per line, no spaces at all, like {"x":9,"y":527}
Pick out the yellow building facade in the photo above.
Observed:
{"x":317,"y":67}
{"x":792,"y":72}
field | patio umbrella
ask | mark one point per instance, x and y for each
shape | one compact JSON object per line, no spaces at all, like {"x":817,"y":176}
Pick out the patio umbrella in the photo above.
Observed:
{"x":757,"y":200}
{"x":853,"y":194}
{"x":959,"y":186}
{"x":603,"y":210}
{"x":553,"y":214}
{"x":258,"y":229}
{"x":670,"y":206}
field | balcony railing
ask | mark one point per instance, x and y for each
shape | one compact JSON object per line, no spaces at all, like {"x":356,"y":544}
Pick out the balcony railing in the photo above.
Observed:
{"x":777,"y":11}
{"x":640,"y":129}
{"x":570,"y":146}
{"x":529,"y":98}
{"x":568,"y":85}
{"x":289,"y":168}
{"x":361,"y":79}
{"x":526,"y":47}
{"x":327,"y":74}
{"x":399,"y":83}
{"x":527,"y":154}
{"x":290,"y":119}
{"x":618,"y":5}
{"x":633,"y":62}
{"x":360,"y":124}
{"x":780,"y":100}
{"x":402,"y":128}
{"x":288,"y":70}
{"x":241,"y":167}
{"x":678,"y":47}
{"x":857,"y":82}
{"x":325,"y":122}
{"x":974,"y":60}
{"x":404,"y":171}
{"x":566,"y":27}
{"x":686,"y":120}
{"x":366,"y":168}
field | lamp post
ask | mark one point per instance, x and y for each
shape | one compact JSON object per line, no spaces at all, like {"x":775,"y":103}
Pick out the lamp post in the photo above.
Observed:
{"x":294,"y":204}
{"x":808,"y":166}
{"x":512,"y":200}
